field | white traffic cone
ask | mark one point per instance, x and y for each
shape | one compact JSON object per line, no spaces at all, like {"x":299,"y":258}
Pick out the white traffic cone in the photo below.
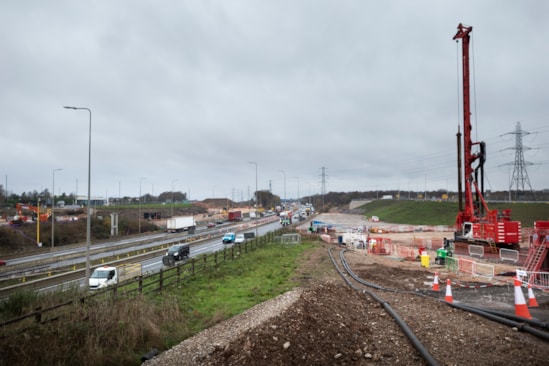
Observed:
{"x":532,"y":302}
{"x":520,"y":304}
{"x":448,"y":297}
{"x":435,"y":283}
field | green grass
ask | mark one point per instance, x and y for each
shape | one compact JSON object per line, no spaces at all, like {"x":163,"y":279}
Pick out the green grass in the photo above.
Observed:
{"x":444,"y":213}
{"x":238,"y":285}
{"x":120,"y":332}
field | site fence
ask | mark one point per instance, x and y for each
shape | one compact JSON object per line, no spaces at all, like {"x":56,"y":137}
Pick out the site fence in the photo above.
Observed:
{"x":538,"y":280}
{"x":417,"y":228}
{"x":470,"y":266}
{"x":475,"y":250}
{"x":510,"y":255}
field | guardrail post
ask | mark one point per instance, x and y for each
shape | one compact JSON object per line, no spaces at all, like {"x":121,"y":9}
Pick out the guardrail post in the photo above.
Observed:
{"x":192,"y":266}
{"x":160,"y":278}
{"x":140,"y":285}
{"x":38,"y":314}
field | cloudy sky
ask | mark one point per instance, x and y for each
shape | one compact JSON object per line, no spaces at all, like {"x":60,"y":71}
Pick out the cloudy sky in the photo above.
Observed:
{"x":186,"y":93}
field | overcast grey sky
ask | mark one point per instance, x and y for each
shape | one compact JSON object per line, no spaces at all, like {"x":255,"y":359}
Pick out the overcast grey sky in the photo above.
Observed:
{"x":187,"y":93}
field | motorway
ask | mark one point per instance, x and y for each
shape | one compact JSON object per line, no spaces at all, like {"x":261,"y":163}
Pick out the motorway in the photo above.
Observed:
{"x":205,"y":240}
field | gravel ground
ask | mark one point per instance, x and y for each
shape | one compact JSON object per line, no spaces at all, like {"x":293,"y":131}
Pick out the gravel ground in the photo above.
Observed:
{"x":325,"y":322}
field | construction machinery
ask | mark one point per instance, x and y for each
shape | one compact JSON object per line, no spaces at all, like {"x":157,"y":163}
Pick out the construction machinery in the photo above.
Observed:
{"x":538,"y":260}
{"x":35,"y":213}
{"x":475,"y":222}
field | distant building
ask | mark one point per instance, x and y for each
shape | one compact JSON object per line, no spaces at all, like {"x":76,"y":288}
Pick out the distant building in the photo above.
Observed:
{"x":94,"y":201}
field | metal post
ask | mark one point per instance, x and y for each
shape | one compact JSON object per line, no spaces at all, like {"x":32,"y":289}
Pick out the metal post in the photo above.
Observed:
{"x":38,"y":224}
{"x":283,"y":172}
{"x":88,"y":222}
{"x":256,"y":198}
{"x":298,"y":201}
{"x":53,"y":207}
{"x":139,"y":218}
{"x":173,"y":181}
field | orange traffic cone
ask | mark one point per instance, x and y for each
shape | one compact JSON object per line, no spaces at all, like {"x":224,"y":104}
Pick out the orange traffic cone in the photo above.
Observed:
{"x":532,"y":302}
{"x":435,"y":283}
{"x":520,"y":304}
{"x":448,"y":297}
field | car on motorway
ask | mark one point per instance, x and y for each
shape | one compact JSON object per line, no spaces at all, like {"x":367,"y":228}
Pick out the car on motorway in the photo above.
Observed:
{"x":2,"y":262}
{"x":219,"y":222}
{"x":240,"y":238}
{"x":211,"y":224}
{"x":228,"y":238}
{"x":178,"y":252}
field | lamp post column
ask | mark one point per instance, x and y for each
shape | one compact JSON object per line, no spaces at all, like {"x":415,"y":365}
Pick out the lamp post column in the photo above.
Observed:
{"x":53,"y":207}
{"x":173,"y":181}
{"x":88,"y":222}
{"x":298,"y":201}
{"x":139,"y":214}
{"x":38,"y":243}
{"x":283,"y":172}
{"x":256,"y":198}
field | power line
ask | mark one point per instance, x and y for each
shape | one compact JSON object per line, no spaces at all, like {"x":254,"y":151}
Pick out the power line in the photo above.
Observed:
{"x":323,"y":184}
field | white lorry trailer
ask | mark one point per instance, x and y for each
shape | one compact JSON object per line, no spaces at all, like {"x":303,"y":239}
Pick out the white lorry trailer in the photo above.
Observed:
{"x":180,"y":223}
{"x":111,"y":275}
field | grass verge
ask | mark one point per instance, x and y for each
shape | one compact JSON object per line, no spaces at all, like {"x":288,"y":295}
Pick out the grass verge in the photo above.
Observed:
{"x":105,"y":332}
{"x":412,"y":212}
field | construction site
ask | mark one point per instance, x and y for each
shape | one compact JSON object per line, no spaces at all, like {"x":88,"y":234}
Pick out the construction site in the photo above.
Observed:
{"x":485,"y":260}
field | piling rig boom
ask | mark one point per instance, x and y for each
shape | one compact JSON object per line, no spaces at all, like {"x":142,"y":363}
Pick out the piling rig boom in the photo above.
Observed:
{"x":475,"y":222}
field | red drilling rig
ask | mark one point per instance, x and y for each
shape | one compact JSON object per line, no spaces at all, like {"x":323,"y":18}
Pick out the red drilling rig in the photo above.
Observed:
{"x":475,"y":222}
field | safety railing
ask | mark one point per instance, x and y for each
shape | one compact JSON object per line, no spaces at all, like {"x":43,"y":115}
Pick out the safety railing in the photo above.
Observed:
{"x":145,"y":284}
{"x":538,"y":280}
{"x":510,"y":255}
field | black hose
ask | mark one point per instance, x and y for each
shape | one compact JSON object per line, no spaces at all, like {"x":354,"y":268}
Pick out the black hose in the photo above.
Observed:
{"x":517,"y":318}
{"x":519,"y":325}
{"x":502,"y":318}
{"x":411,"y":336}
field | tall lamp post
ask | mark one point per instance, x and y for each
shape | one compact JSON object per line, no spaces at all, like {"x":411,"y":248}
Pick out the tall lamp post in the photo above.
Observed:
{"x":53,"y":206}
{"x":298,"y":201}
{"x":256,"y":197}
{"x":38,"y":243}
{"x":88,"y":222}
{"x":283,"y":172}
{"x":173,"y":181}
{"x":139,"y":214}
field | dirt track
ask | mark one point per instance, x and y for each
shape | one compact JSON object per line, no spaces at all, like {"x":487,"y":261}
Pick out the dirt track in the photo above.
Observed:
{"x":330,"y":324}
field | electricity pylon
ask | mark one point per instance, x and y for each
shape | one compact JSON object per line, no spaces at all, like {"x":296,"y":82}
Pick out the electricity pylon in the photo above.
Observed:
{"x":519,"y":179}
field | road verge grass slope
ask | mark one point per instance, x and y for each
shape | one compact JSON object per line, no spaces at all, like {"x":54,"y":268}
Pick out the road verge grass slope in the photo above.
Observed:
{"x":119,"y":332}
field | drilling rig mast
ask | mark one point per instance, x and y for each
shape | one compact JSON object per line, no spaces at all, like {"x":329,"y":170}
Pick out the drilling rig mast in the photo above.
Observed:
{"x":475,"y":222}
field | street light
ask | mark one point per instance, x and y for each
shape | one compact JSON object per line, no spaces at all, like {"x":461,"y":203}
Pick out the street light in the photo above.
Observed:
{"x":88,"y":223}
{"x":38,"y":243}
{"x":139,"y":218}
{"x":283,"y":172}
{"x":173,"y":181}
{"x":256,"y":196}
{"x":298,"y":201}
{"x":53,"y":206}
